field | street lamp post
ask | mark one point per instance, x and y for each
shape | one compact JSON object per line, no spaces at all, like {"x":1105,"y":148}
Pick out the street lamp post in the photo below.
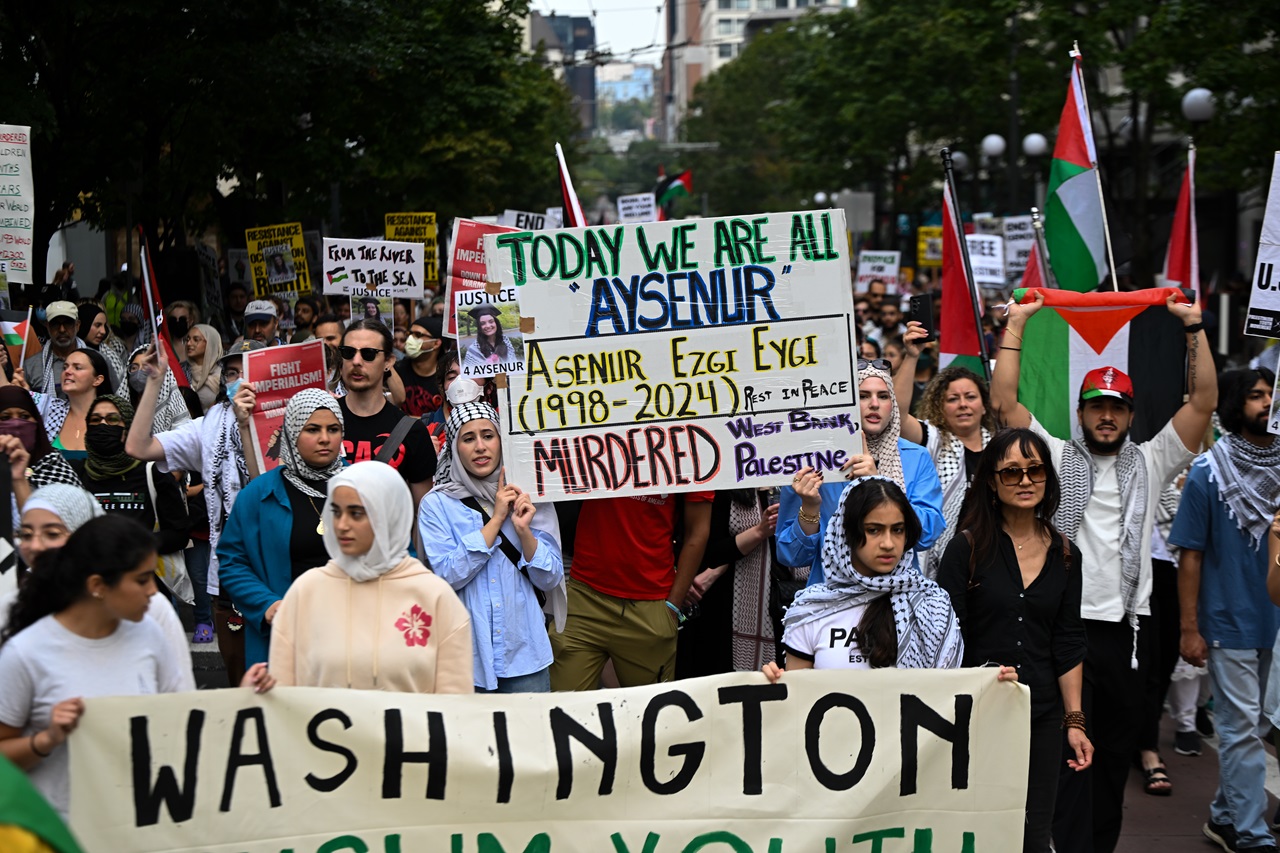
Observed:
{"x":993,"y":146}
{"x":1035,"y":146}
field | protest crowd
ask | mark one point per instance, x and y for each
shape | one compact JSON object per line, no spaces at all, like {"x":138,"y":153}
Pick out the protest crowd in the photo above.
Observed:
{"x":334,"y":488}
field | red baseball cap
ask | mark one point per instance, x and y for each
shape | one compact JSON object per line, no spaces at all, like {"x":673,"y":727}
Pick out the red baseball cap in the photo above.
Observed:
{"x":1107,"y":382}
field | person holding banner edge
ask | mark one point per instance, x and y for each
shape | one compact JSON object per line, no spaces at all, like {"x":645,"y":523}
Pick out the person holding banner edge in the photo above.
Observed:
{"x":1014,"y":583}
{"x":1111,"y":487}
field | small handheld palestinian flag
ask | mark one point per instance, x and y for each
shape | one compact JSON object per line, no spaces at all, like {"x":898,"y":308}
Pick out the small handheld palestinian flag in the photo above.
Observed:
{"x":16,"y":326}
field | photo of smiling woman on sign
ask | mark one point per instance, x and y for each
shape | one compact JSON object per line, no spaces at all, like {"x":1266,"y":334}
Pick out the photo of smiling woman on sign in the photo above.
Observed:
{"x":489,"y":335}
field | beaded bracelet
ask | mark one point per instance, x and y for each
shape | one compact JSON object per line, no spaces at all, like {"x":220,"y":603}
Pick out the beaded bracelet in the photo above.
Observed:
{"x":1073,"y":720}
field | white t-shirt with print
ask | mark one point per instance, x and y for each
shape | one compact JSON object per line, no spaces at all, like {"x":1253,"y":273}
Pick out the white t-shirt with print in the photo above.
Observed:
{"x":830,"y":642}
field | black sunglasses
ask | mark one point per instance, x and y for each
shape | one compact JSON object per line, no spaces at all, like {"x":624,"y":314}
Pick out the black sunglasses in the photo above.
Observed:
{"x":367,"y":353}
{"x":877,"y":363}
{"x":1012,"y":475}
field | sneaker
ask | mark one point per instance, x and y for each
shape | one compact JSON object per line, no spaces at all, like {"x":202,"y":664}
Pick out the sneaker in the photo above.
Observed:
{"x":1222,"y":834}
{"x":1186,"y":743}
{"x":1204,"y":723}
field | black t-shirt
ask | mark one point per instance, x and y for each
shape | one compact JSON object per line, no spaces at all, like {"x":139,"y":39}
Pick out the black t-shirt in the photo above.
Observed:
{"x":363,"y":437}
{"x":306,"y":544}
{"x":421,"y":393}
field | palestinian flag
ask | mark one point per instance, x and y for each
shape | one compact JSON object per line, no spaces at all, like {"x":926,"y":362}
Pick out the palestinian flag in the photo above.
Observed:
{"x":16,"y":327}
{"x":673,"y":187}
{"x":1074,"y":227}
{"x":1075,"y":333}
{"x":959,"y":341}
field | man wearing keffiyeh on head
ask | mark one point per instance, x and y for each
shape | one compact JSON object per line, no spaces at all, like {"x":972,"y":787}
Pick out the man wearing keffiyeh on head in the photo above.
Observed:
{"x":806,"y":505}
{"x":1227,"y":619}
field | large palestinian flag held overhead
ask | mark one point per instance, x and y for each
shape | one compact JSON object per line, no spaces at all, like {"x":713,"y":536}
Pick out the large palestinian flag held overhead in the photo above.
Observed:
{"x":1074,"y":227}
{"x":1074,"y":333}
{"x":958,"y":340}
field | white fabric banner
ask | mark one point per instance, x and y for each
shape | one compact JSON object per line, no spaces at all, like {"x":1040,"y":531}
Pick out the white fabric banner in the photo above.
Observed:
{"x":17,"y":202}
{"x":728,"y":763}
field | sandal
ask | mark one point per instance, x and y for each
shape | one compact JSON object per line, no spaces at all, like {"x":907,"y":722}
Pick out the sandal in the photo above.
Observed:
{"x":1157,"y":782}
{"x":204,"y":633}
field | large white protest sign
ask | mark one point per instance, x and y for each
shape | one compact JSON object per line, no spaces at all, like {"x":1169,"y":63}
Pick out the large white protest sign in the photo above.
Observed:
{"x":1019,"y":237}
{"x":17,"y":202}
{"x":634,"y":209}
{"x":986,"y":258}
{"x":881,"y":265}
{"x":679,"y":356}
{"x":1263,"y":319}
{"x":378,"y":268}
{"x":523,"y":220}
{"x":934,"y":758}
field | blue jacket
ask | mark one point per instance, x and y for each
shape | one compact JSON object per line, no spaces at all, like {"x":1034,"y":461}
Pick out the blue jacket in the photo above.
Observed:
{"x":254,"y":566}
{"x":924,"y":490}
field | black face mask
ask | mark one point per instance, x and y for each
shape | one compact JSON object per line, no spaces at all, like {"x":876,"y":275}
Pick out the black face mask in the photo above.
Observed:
{"x":178,"y":328}
{"x":104,"y":440}
{"x":128,"y":328}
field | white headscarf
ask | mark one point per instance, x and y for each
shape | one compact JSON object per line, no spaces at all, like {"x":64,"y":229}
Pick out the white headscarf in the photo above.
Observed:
{"x":212,"y":356}
{"x":884,"y":447}
{"x":72,"y":504}
{"x":389,"y":507}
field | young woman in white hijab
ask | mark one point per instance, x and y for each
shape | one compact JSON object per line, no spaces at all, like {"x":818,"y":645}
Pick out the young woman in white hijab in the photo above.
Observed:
{"x":498,"y":550}
{"x":372,"y":618}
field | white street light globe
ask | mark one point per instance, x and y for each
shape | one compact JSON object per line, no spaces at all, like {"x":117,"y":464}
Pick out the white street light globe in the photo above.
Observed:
{"x":993,"y":145}
{"x":960,"y":161}
{"x":1198,"y":105}
{"x":1035,"y":145}
{"x":819,"y":197}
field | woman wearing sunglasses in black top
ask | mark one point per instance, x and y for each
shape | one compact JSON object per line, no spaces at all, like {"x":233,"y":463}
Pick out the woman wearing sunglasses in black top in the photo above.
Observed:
{"x":1014,"y":583}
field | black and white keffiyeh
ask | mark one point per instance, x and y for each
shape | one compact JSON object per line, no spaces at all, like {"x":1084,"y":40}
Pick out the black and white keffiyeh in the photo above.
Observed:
{"x":949,"y":460}
{"x":310,"y":481}
{"x":228,"y":468}
{"x":928,"y":631}
{"x":1248,"y":480}
{"x":1076,"y":478}
{"x":49,"y":382}
{"x":453,"y":479}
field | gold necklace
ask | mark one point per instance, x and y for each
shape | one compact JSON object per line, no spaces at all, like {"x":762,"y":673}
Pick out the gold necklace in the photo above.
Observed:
{"x":320,"y":524}
{"x":1024,"y":541}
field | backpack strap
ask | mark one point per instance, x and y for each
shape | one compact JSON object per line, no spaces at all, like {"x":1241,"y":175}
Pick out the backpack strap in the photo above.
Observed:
{"x":504,"y":544}
{"x":1066,"y":550}
{"x":395,"y":439}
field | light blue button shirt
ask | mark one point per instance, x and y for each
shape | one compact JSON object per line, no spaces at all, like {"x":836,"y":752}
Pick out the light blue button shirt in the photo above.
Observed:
{"x":508,"y":628}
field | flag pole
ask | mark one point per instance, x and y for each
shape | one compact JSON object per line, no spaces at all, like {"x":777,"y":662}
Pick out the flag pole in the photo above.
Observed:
{"x":952,"y":199}
{"x":1042,"y":250}
{"x":26,"y":332}
{"x":1076,"y":56}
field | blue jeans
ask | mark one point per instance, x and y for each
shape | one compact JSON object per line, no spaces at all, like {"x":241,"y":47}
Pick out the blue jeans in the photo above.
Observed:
{"x":1239,"y":683}
{"x":534,"y":682}
{"x":198,"y":567}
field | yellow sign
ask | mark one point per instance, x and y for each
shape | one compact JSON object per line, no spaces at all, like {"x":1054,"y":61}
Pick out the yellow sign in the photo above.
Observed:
{"x":279,"y":260}
{"x":417,"y":228}
{"x":929,"y":245}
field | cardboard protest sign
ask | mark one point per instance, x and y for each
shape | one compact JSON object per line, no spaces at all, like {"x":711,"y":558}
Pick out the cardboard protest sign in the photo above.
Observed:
{"x":523,"y":220}
{"x":881,"y":265}
{"x":17,"y":202}
{"x":727,"y":763}
{"x":239,"y":270}
{"x":279,"y":259}
{"x":418,"y":228}
{"x":489,"y":337}
{"x":378,"y":268}
{"x":1019,"y":236}
{"x":5,"y":300}
{"x":555,"y":217}
{"x":929,"y":246}
{"x":679,"y":356}
{"x":1263,"y":319}
{"x":986,"y":259}
{"x":277,"y":373}
{"x":641,"y":207}
{"x":466,"y":266}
